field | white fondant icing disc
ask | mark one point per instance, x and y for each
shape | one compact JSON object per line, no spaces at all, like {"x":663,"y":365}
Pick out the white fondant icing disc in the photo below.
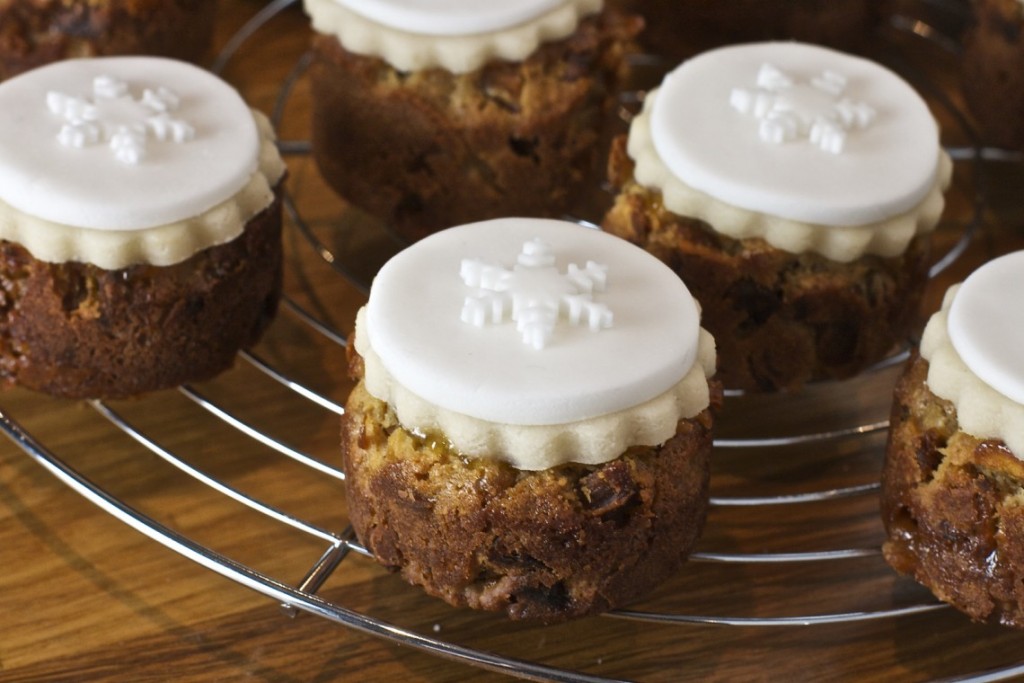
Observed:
{"x":885,"y":167}
{"x":414,"y":325}
{"x":986,"y":324}
{"x":88,"y":186}
{"x":449,"y":17}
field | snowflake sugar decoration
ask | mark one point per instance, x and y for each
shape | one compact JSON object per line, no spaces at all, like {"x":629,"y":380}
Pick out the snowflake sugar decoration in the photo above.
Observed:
{"x":536,"y":293}
{"x":113,"y":116}
{"x":816,"y":111}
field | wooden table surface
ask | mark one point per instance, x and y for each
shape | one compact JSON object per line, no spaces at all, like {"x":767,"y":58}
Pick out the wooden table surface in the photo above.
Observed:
{"x":83,"y":597}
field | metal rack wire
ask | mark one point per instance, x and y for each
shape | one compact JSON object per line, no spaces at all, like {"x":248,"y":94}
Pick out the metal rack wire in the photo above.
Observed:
{"x":860,"y":432}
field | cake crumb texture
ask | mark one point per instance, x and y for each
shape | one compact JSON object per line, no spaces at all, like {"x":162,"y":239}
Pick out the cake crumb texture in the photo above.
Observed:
{"x":78,"y":331}
{"x":953,"y":506}
{"x":548,"y":545}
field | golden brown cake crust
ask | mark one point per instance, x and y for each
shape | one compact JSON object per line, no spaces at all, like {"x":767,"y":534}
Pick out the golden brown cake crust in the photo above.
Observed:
{"x":993,"y":71}
{"x":43,"y":31}
{"x":548,"y":545}
{"x":76,"y":330}
{"x":953,"y":506}
{"x":427,"y":150}
{"x":779,"y":319}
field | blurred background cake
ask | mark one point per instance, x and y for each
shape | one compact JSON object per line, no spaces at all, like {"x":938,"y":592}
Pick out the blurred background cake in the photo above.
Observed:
{"x":140,"y":226}
{"x":447,"y":114}
{"x":37,"y":32}
{"x":793,"y":188}
{"x":531,"y":429}
{"x":993,"y":71}
{"x":676,"y":29}
{"x":954,"y":470}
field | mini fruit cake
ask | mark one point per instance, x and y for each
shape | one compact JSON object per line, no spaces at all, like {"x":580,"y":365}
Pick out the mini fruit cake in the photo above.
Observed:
{"x":793,"y":188}
{"x":436,"y":114}
{"x":993,"y":71}
{"x":952,"y":483}
{"x":44,"y":31}
{"x":140,"y":226}
{"x":531,"y":428}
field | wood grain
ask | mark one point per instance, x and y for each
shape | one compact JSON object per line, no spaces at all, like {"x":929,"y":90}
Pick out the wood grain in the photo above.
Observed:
{"x":85,"y":598}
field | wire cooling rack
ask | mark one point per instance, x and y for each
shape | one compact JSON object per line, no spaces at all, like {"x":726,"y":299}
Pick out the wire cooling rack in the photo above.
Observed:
{"x":806,"y":463}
